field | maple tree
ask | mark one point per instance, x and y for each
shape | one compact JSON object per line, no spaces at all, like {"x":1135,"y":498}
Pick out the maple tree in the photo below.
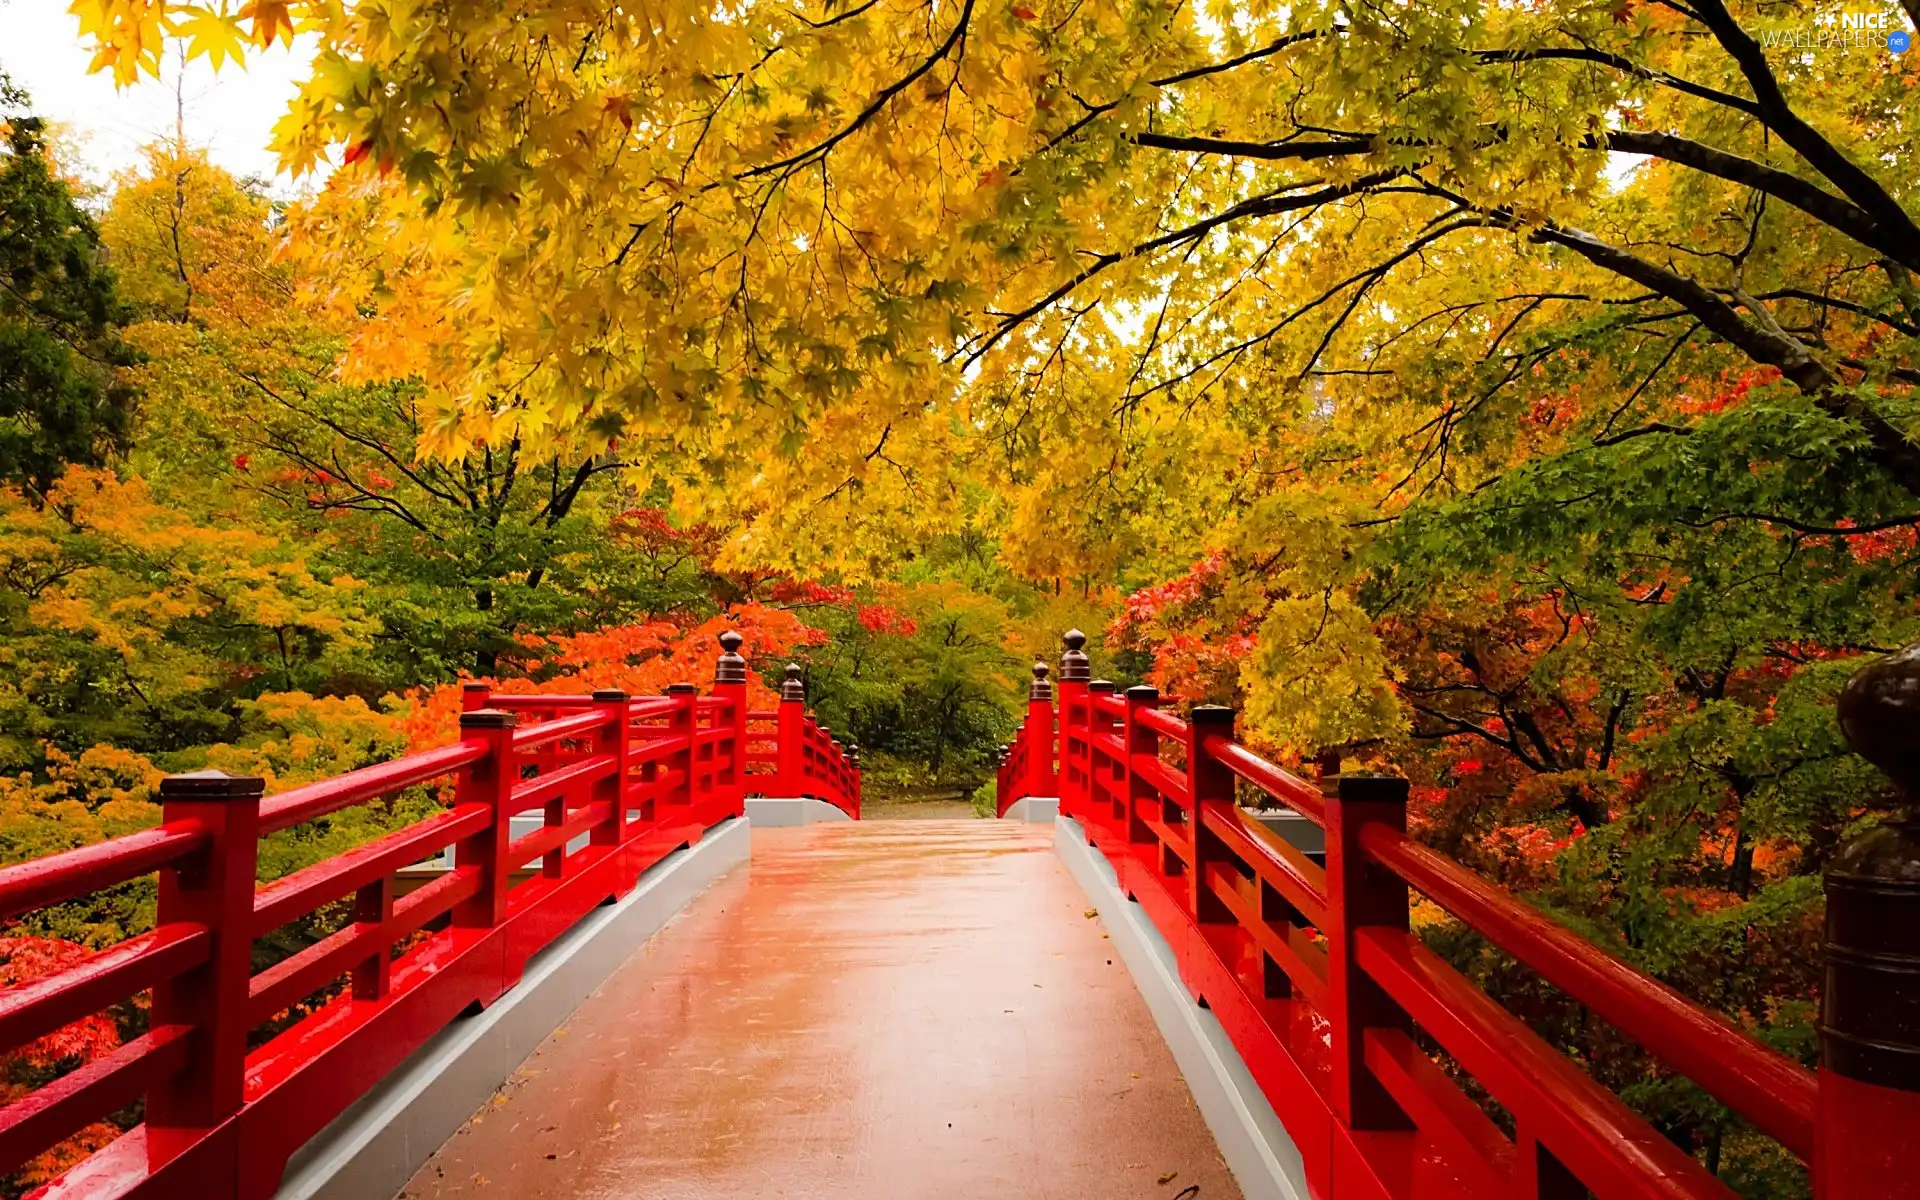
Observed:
{"x":125,"y":621}
{"x":702,"y":227}
{"x":241,"y":346}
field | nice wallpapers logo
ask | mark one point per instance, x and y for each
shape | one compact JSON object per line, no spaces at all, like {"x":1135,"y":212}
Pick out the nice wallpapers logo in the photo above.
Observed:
{"x":1876,"y":31}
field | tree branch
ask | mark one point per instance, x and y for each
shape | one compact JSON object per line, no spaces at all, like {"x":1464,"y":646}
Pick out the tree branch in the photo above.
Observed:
{"x":1822,"y":155}
{"x":1844,"y":215}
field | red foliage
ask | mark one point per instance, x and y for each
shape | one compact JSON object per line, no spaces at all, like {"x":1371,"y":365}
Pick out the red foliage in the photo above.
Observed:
{"x":649,"y":531}
{"x":1195,"y":657}
{"x":796,"y":593}
{"x":880,"y":619}
{"x":22,"y":960}
{"x":1529,"y":849}
{"x":1729,"y":390}
{"x":1153,"y":605}
{"x":1883,"y":543}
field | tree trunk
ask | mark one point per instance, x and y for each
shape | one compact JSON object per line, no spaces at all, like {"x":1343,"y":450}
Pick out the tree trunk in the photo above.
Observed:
{"x":485,"y":659}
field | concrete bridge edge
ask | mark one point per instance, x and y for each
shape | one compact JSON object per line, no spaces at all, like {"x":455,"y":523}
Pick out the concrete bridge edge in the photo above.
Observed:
{"x":373,"y":1148}
{"x":1035,"y":810}
{"x":1263,"y":1158}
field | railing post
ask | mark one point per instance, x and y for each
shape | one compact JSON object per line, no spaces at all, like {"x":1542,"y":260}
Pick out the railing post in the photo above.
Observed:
{"x":1012,"y":756}
{"x":1360,"y":893}
{"x":684,"y":722}
{"x":373,"y":906}
{"x":474,"y":695}
{"x":1041,"y":779}
{"x":491,"y":782}
{"x":853,"y":767}
{"x":215,"y":890}
{"x":1136,"y":738}
{"x":1869,"y":1097}
{"x":730,"y":685}
{"x":1075,"y":673}
{"x":1101,"y":797}
{"x":615,"y":738}
{"x":790,"y":747}
{"x":1207,"y":780}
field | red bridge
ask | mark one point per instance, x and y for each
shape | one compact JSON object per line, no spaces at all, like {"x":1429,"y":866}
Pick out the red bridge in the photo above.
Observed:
{"x":906,"y":1009}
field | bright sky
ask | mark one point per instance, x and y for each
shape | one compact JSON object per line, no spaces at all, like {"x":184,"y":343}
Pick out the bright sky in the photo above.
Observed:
{"x":231,"y":114}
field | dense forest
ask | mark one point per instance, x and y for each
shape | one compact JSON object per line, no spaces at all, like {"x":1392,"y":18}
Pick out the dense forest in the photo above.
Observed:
{"x":1519,"y":398}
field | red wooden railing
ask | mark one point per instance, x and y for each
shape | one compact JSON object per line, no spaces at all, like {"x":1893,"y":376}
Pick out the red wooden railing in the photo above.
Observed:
{"x":1026,"y":763}
{"x":637,"y":777}
{"x":1333,"y":1002}
{"x":805,"y":759}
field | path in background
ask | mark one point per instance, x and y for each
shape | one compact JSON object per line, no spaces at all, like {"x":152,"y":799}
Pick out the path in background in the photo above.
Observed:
{"x":894,"y":1011}
{"x":916,"y":810}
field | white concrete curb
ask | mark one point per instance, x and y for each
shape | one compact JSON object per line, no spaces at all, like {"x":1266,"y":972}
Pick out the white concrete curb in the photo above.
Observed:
{"x":1263,"y":1159}
{"x":374,"y":1147}
{"x":771,"y":812}
{"x":1036,"y":810}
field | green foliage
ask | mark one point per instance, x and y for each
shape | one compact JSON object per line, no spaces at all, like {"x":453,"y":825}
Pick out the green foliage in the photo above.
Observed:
{"x":986,"y":799}
{"x":62,"y":399}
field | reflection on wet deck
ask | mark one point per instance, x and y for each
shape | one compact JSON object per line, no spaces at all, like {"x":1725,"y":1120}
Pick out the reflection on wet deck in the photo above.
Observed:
{"x":898,"y":1009}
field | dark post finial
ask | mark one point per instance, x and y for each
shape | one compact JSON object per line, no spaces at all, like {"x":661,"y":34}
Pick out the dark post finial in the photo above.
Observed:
{"x":731,"y":668}
{"x":1870,"y":1001}
{"x":489,"y":718}
{"x":1040,"y":689}
{"x":853,"y":754}
{"x":212,"y":785}
{"x":793,"y":687}
{"x":1327,"y":762}
{"x":1880,"y":718}
{"x":1074,"y":665}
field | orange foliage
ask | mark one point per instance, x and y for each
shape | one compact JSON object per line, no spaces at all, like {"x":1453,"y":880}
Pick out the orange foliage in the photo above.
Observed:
{"x":641,"y":659}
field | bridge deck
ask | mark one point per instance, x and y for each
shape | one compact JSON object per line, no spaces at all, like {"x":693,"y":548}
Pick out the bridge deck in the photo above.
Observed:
{"x":888,"y":1009}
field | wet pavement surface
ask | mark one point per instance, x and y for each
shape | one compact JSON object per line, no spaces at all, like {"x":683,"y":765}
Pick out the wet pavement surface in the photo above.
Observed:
{"x":897,"y":1010}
